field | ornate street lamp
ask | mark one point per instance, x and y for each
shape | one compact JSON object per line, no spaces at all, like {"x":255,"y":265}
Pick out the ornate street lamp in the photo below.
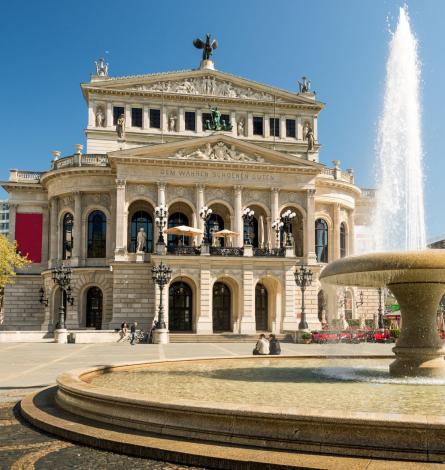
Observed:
{"x":62,"y":277}
{"x":303,"y":279}
{"x":161,"y":276}
{"x":381,"y":323}
{"x":205,"y":214}
{"x":287,"y":218}
{"x":161,"y":217}
{"x":248,"y":220}
{"x":277,"y":226}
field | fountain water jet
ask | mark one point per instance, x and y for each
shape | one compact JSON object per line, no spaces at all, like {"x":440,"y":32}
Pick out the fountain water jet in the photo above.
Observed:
{"x":399,"y":220}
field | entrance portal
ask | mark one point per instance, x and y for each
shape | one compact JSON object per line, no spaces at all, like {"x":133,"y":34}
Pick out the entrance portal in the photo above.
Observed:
{"x":222,"y":307}
{"x":94,"y":308}
{"x":180,"y":308}
{"x":261,"y":307}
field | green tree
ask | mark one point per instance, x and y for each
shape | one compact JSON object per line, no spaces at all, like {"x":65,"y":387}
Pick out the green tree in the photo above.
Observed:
{"x":10,"y":260}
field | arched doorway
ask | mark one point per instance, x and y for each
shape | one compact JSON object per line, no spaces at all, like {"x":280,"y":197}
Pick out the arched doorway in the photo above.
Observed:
{"x":215,"y":224}
{"x":141,"y":219}
{"x":261,"y":308}
{"x":97,"y":234}
{"x":180,"y":307}
{"x":222,"y":307}
{"x":93,"y":317}
{"x":321,"y":240}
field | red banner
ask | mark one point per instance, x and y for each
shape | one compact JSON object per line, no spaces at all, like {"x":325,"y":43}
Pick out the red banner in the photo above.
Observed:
{"x":28,"y":234}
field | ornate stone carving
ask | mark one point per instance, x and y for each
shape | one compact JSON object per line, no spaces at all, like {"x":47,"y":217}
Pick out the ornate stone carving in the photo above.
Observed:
{"x":219,"y":151}
{"x":240,"y":127}
{"x":136,"y":190}
{"x":120,"y":126}
{"x":100,"y":117}
{"x":172,"y":118}
{"x":67,"y":201}
{"x":183,"y":192}
{"x":218,"y":193}
{"x":290,"y":197}
{"x":207,"y":86}
{"x":252,"y":195}
{"x":101,"y":68}
{"x":97,"y":199}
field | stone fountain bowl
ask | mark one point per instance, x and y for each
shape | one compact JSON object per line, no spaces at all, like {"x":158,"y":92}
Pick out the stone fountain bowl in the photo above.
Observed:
{"x":417,"y":280}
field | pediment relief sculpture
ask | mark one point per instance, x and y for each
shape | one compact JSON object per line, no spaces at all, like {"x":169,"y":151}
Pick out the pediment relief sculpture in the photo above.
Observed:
{"x":206,"y":86}
{"x":219,"y":151}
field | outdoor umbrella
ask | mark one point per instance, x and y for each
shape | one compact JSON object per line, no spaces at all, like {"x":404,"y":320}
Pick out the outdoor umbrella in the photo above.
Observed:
{"x":184,"y":230}
{"x":226,"y":233}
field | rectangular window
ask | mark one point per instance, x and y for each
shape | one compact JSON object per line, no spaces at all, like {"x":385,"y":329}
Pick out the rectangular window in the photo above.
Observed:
{"x":290,"y":128}
{"x":274,"y":124}
{"x":257,"y":125}
{"x":190,"y":121}
{"x":155,"y":118}
{"x":206,"y":117}
{"x":225,"y":118}
{"x":117,"y":111}
{"x":136,"y":117}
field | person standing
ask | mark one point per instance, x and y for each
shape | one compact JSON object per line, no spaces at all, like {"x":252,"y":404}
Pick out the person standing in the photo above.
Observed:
{"x":133,"y":332}
{"x":262,"y":346}
{"x":274,"y":346}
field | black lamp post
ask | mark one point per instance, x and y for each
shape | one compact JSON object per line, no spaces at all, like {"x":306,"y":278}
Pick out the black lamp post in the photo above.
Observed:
{"x":161,"y":216}
{"x":205,"y":214}
{"x":303,"y":279}
{"x":62,"y":277}
{"x":161,"y":276}
{"x":248,"y":220}
{"x":380,"y":310}
{"x":277,"y":226}
{"x":287,"y":218}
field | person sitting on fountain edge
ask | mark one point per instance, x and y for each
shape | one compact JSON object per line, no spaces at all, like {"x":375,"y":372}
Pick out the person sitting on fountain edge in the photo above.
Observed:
{"x":274,"y":346}
{"x":262,"y":346}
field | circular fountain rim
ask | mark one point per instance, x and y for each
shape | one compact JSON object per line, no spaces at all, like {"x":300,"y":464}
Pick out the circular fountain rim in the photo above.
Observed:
{"x":379,"y":269}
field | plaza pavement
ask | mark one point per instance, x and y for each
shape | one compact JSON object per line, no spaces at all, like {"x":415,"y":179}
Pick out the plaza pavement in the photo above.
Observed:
{"x":25,"y":367}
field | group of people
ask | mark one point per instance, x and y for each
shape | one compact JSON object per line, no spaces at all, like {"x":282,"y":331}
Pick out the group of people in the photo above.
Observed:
{"x":133,"y":329}
{"x":267,"y":347}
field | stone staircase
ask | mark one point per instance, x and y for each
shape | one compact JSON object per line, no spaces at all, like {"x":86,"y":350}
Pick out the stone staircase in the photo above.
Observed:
{"x":223,"y":338}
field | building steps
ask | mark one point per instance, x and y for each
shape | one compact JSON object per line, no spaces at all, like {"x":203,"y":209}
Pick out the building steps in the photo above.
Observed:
{"x":223,"y":338}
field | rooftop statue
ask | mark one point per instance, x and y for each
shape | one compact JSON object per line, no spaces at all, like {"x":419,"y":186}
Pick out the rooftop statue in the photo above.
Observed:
{"x":207,"y":46}
{"x":215,"y":123}
{"x":101,"y":68}
{"x":305,"y":85}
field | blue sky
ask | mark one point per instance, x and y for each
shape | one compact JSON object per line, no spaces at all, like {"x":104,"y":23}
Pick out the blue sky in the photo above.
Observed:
{"x":48,"y":48}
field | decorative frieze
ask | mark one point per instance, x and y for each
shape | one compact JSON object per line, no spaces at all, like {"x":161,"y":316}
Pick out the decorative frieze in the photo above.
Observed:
{"x":251,"y":196}
{"x":289,"y":197}
{"x":140,"y":190}
{"x":219,"y":151}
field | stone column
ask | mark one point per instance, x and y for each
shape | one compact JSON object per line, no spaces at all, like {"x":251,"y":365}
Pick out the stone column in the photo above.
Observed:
{"x":290,"y":321}
{"x":282,"y":126}
{"x":351,"y":235}
{"x":204,"y":321}
{"x":77,"y":230}
{"x":127,"y":116}
{"x":161,"y":201}
{"x":310,"y":226}
{"x":121,"y":221}
{"x":300,"y":128}
{"x":266,"y":126}
{"x":275,"y":212}
{"x":233,"y":123}
{"x":109,"y":121}
{"x":199,"y":204}
{"x":336,"y":233}
{"x":238,"y":225}
{"x":247,"y":321}
{"x":91,"y":115}
{"x":164,"y":120}
{"x":145,"y":118}
{"x":181,"y":120}
{"x":12,"y":217}
{"x":249,"y":125}
{"x":199,"y":126}
{"x":54,"y":231}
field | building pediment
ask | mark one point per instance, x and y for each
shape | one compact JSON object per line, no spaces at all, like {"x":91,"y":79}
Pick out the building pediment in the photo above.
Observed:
{"x":218,"y":148}
{"x":205,"y":83}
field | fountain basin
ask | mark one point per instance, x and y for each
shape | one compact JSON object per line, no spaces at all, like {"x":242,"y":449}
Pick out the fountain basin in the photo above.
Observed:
{"x":417,"y":280}
{"x":308,"y":426}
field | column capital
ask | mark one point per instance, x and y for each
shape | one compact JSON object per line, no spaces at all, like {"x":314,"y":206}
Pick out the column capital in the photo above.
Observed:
{"x":311,"y":192}
{"x":199,"y":186}
{"x":161,"y":185}
{"x":238,"y":188}
{"x":275,"y":190}
{"x":121,"y":183}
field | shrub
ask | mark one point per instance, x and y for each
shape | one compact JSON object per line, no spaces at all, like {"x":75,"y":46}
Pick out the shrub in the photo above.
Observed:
{"x":395,"y":333}
{"x":306,"y":336}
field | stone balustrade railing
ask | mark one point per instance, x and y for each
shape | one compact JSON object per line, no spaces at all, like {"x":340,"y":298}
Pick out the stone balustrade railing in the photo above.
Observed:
{"x":79,"y":160}
{"x":19,"y":176}
{"x":337,"y":174}
{"x":368,"y":193}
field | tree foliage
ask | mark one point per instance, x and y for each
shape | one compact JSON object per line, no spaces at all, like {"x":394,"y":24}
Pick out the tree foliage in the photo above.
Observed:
{"x":10,"y":260}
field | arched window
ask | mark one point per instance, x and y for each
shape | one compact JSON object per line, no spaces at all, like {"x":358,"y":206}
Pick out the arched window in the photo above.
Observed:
{"x":67,"y":231}
{"x":141,"y":219}
{"x":261,"y":307}
{"x":222,"y":307}
{"x":342,"y":240}
{"x":251,"y":232}
{"x":177,"y":218}
{"x":215,"y":224}
{"x":97,"y":235}
{"x":180,"y":313}
{"x":93,"y":317}
{"x":321,"y":240}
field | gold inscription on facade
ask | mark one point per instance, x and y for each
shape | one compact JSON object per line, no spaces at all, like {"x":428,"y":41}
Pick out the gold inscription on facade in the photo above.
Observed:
{"x":227,"y":175}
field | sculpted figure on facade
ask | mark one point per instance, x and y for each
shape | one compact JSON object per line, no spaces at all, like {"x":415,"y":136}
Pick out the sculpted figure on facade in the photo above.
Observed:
{"x":309,"y":136}
{"x":141,"y":240}
{"x":207,"y":46}
{"x":218,"y":151}
{"x":100,"y":117}
{"x":240,"y":127}
{"x":101,"y":68}
{"x":120,"y":127}
{"x":172,"y":122}
{"x":304,"y":85}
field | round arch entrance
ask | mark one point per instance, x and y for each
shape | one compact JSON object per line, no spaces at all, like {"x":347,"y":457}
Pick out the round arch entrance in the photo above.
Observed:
{"x":180,"y":307}
{"x":261,"y":307}
{"x":222,"y":307}
{"x":93,"y":317}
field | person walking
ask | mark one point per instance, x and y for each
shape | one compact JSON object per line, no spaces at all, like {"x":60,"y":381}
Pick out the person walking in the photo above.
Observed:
{"x":274,"y":346}
{"x":133,"y":332}
{"x":262,"y":346}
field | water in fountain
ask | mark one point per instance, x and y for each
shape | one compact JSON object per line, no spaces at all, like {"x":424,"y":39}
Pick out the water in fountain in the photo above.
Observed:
{"x":399,"y":222}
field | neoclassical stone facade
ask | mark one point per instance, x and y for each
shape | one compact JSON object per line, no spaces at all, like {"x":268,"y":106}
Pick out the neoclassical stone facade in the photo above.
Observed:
{"x":147,"y":146}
